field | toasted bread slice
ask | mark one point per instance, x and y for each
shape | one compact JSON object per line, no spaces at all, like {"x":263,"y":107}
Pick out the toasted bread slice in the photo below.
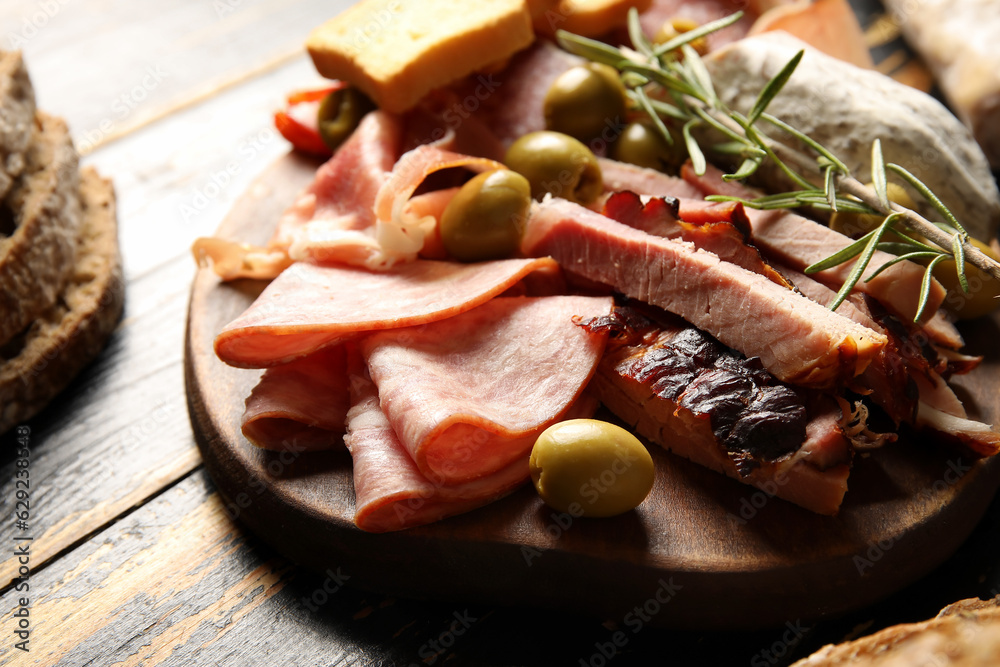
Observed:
{"x":17,"y":111}
{"x":397,"y":52}
{"x":964,"y":634}
{"x":44,"y":208}
{"x":42,"y":360}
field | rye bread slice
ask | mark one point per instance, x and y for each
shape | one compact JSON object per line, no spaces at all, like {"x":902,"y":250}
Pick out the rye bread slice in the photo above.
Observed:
{"x":43,"y":359}
{"x":17,"y":111}
{"x":43,"y":207}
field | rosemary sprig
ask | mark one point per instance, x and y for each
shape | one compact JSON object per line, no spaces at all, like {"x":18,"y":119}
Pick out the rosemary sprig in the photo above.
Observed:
{"x":674,"y":71}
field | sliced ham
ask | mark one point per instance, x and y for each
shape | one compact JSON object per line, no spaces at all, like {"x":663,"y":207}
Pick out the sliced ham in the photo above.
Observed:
{"x":797,"y":340}
{"x":309,"y":307}
{"x":390,"y":492}
{"x":301,"y":405}
{"x":468,"y":396}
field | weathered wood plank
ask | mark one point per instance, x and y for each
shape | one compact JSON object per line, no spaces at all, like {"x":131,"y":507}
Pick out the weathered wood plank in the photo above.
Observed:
{"x":144,"y":60}
{"x":177,"y":583}
{"x":120,"y":433}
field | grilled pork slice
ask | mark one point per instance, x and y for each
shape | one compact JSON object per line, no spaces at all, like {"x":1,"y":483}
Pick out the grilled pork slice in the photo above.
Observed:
{"x":680,"y":388}
{"x":796,"y":339}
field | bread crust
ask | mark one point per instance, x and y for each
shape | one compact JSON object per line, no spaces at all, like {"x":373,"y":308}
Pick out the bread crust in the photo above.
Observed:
{"x":72,"y":331}
{"x":37,"y":259}
{"x":17,"y":111}
{"x":966,"y":633}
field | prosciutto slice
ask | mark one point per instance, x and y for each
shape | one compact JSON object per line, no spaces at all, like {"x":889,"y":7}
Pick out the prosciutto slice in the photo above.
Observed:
{"x":468,"y":396}
{"x":328,"y":220}
{"x":309,"y":307}
{"x":797,"y":340}
{"x":301,"y":405}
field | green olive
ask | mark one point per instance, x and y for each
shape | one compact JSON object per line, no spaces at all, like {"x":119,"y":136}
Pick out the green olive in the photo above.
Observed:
{"x":984,"y":289}
{"x":590,"y":468}
{"x":584,"y":100}
{"x":557,"y":164}
{"x":857,"y":225}
{"x":486,"y":218}
{"x":642,"y":144}
{"x":339,"y":113}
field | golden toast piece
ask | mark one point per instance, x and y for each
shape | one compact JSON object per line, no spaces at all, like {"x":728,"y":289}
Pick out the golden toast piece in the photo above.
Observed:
{"x":396,"y":52}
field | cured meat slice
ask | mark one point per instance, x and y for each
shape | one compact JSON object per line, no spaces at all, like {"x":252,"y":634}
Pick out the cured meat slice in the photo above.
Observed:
{"x":510,"y":102}
{"x":330,"y":220}
{"x":309,"y":307}
{"x":797,"y":340}
{"x":721,"y":228}
{"x":703,"y":11}
{"x":410,"y":172}
{"x":390,"y":492}
{"x":798,"y":242}
{"x":301,"y":405}
{"x":619,"y":176}
{"x":468,"y":396}
{"x":685,"y":391}
{"x":339,"y":201}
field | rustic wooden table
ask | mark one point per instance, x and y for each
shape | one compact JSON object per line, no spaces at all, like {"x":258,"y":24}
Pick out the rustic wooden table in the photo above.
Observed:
{"x":135,"y":559}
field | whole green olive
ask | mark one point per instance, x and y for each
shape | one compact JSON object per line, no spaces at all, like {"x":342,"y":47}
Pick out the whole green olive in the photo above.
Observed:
{"x":486,"y":218}
{"x":643,"y":145}
{"x":584,"y":100}
{"x":983,"y":296}
{"x":590,"y":468}
{"x":339,"y":113}
{"x":556,"y":164}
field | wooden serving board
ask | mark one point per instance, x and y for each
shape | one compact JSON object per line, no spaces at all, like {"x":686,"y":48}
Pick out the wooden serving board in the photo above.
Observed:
{"x":702,"y":551}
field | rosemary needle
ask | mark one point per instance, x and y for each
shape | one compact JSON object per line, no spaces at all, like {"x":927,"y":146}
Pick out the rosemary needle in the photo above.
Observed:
{"x":674,"y":71}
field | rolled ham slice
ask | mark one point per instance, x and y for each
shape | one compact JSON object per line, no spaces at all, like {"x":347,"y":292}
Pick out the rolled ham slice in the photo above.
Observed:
{"x":301,"y":405}
{"x":468,"y":396}
{"x":797,"y":340}
{"x":309,"y":307}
